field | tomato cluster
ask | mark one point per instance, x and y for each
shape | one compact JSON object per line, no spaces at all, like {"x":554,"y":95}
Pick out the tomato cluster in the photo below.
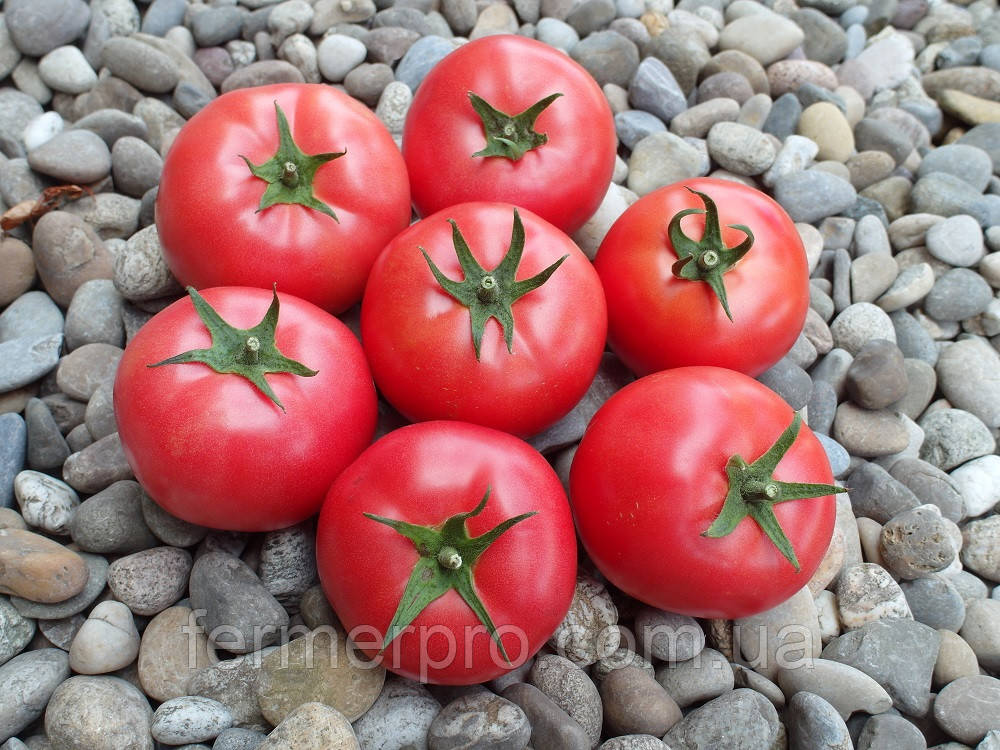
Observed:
{"x":248,"y":405}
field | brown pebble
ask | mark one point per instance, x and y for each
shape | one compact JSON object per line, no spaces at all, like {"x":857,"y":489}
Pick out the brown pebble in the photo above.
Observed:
{"x":17,"y":269}
{"x":39,"y":569}
{"x":635,"y":703}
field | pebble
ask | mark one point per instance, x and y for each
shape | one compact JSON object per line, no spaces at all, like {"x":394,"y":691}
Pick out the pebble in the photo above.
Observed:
{"x":872,"y":274}
{"x":66,"y":69}
{"x":898,"y":654}
{"x":955,"y":659}
{"x":98,"y":713}
{"x":954,"y":436}
{"x":633,"y":125}
{"x":608,"y":56}
{"x":935,"y":601}
{"x":589,"y":631}
{"x":569,"y":687}
{"x":37,"y":28}
{"x":27,"y":682}
{"x":39,"y":569}
{"x":825,"y":124}
{"x":261,"y":73}
{"x":958,"y":294}
{"x":661,"y":159}
{"x":706,"y":676}
{"x":189,"y":718}
{"x":478,"y":717}
{"x":238,"y":739}
{"x":169,"y":529}
{"x":844,"y":687}
{"x":812,"y":722}
{"x":635,"y":703}
{"x":914,"y":339}
{"x":550,"y":725}
{"x":668,"y":636}
{"x":25,"y":360}
{"x":966,"y":373}
{"x":47,"y":448}
{"x":151,"y":580}
{"x":869,"y":434}
{"x":68,"y":253}
{"x":16,"y":631}
{"x":107,"y":640}
{"x":111,"y":215}
{"x":18,"y":267}
{"x":742,"y":718}
{"x":312,"y":726}
{"x":780,"y":637}
{"x":96,"y":568}
{"x":13,"y":451}
{"x":140,"y":270}
{"x":74,"y":156}
{"x":796,"y":153}
{"x":95,"y":315}
{"x":979,"y":547}
{"x":623,"y":657}
{"x":135,"y":166}
{"x":909,"y":287}
{"x":83,"y":370}
{"x":915,"y":543}
{"x":654,"y":89}
{"x":232,"y":682}
{"x":946,"y":195}
{"x":958,"y":241}
{"x":633,"y":742}
{"x":969,"y":163}
{"x":33,"y":314}
{"x":172,"y":650}
{"x":979,"y":483}
{"x":766,"y":37}
{"x":112,"y":521}
{"x":740,"y":149}
{"x":967,"y":708}
{"x":890,"y":732}
{"x":338,"y":55}
{"x":401,"y":716}
{"x":46,"y":503}
{"x":931,"y":485}
{"x":877,"y":377}
{"x":866,"y":593}
{"x":813,"y":195}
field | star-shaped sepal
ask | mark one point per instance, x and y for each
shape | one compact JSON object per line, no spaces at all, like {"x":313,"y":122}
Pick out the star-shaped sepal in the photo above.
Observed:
{"x":490,"y":294}
{"x":248,"y":352}
{"x":708,"y":258}
{"x":290,"y":172}
{"x":510,"y":136}
{"x":753,"y":492}
{"x":447,"y":557}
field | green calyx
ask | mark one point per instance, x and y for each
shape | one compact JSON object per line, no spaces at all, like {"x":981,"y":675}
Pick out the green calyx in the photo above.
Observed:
{"x":447,"y":556}
{"x":510,"y":136}
{"x":707,"y":259}
{"x":490,"y":294}
{"x":290,"y":172}
{"x":250,"y":353}
{"x":753,"y":492}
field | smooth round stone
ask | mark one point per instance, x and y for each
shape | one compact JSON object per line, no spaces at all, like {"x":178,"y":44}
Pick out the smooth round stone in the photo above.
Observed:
{"x":805,"y":78}
{"x":872,"y":274}
{"x":46,"y":503}
{"x":632,"y":125}
{"x":338,"y":55}
{"x":608,"y":56}
{"x":766,"y":37}
{"x":312,"y":668}
{"x":916,"y":543}
{"x":946,"y":195}
{"x":781,"y":636}
{"x":83,"y":370}
{"x":889,"y":732}
{"x":813,"y":722}
{"x":813,"y":195}
{"x":910,"y":286}
{"x":112,"y":124}
{"x":367,"y":81}
{"x":556,"y":33}
{"x":393,"y":104}
{"x":96,"y":568}
{"x":844,"y":687}
{"x":288,"y":18}
{"x":135,"y":166}
{"x":981,"y":630}
{"x":966,"y":373}
{"x":99,"y":419}
{"x":112,"y":521}
{"x":825,"y":124}
{"x":968,"y":163}
{"x":668,"y":636}
{"x":934,"y":601}
{"x":958,"y":241}
{"x":740,"y":148}
{"x":967,"y":708}
{"x":569,"y":687}
{"x":654,"y":89}
{"x":931,"y":485}
{"x":741,"y":718}
{"x":706,"y":676}
{"x":25,"y":360}
{"x":727,"y":84}
{"x":867,"y":433}
{"x":151,"y":580}
{"x":173,"y":649}
{"x":17,"y":269}
{"x":634,"y":703}
{"x":954,"y":436}
{"x":97,"y":466}
{"x":913,"y":339}
{"x":13,"y":450}
{"x":400,"y":717}
{"x":699,"y":119}
{"x":461,"y":15}
{"x":47,"y":450}
{"x":783,"y":119}
{"x":478,"y":718}
{"x":66,"y":69}
{"x":74,"y":156}
{"x":789,"y":381}
{"x":189,"y":718}
{"x":26,"y":683}
{"x":37,"y":28}
{"x":633,"y":742}
{"x":98,"y":713}
{"x":312,"y":726}
{"x":423,"y":55}
{"x":836,"y":454}
{"x":877,"y":376}
{"x":238,"y":739}
{"x":978,"y":481}
{"x":36,"y":568}
{"x":107,"y":640}
{"x":859,"y":323}
{"x":43,"y":129}
{"x":623,"y":657}
{"x":980,"y":540}
{"x":169,"y":529}
{"x":140,"y":271}
{"x":16,"y":631}
{"x":215,"y":62}
{"x":867,"y":593}
{"x":549,"y":723}
{"x":589,"y":631}
{"x":261,"y":73}
{"x":31,"y":315}
{"x":68,"y":253}
{"x":111,"y":215}
{"x":959,"y":294}
{"x":661,"y":159}
{"x":232,"y":683}
{"x":955,"y":659}
{"x":95,"y":315}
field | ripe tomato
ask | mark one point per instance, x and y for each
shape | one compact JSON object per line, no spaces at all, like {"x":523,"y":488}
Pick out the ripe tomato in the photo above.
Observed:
{"x":241,"y":449}
{"x":224,"y":220}
{"x":398,"y":566}
{"x":658,"y":320}
{"x":655,"y":469}
{"x":436,"y":344}
{"x":483,"y":127}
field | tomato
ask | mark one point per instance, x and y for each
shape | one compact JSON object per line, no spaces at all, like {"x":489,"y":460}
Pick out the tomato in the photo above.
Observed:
{"x":400,"y":519}
{"x":434,"y":337}
{"x":224,"y":444}
{"x":221,"y":224}
{"x":658,"y":320}
{"x":655,"y":469}
{"x":483,"y":126}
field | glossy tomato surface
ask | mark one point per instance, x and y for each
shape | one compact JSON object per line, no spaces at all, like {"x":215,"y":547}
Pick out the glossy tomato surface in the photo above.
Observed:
{"x":650,"y":477}
{"x":657,"y":321}
{"x":419,"y":342}
{"x":207,"y":205}
{"x":562,"y":180}
{"x":424,"y":474}
{"x":213,"y":449}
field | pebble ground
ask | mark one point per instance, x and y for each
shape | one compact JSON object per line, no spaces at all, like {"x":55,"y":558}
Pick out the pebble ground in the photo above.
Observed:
{"x":876,"y":126}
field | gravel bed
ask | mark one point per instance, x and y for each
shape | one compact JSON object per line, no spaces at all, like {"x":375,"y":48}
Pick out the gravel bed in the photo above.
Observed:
{"x":875,"y":125}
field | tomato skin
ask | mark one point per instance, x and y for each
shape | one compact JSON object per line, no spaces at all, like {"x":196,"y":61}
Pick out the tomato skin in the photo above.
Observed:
{"x":419,"y":342}
{"x":657,"y":321}
{"x":563,"y":180}
{"x":211,"y":448}
{"x":206,"y":208}
{"x":423,"y":474}
{"x":649,"y":477}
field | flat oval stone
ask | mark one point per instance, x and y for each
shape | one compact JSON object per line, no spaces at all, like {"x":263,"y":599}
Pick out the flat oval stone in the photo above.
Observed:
{"x":97,"y":466}
{"x":45,"y":502}
{"x":188,"y":719}
{"x":102,"y":713}
{"x":966,"y":708}
{"x":635,"y":703}
{"x":36,"y":568}
{"x":97,"y":576}
{"x":867,"y":593}
{"x":74,"y":156}
{"x":869,"y":434}
{"x":935,"y":601}
{"x":569,"y":687}
{"x":33,"y":314}
{"x":151,"y":580}
{"x":25,"y":360}
{"x":84,"y":369}
{"x":312,"y":726}
{"x":145,"y":67}
{"x":172,"y":651}
{"x":696,"y":680}
{"x":742,"y":718}
{"x":846,"y":688}
{"x":112,"y":521}
{"x":877,"y":376}
{"x":68,"y":252}
{"x":958,"y":294}
{"x":812,"y":722}
{"x":740,"y":149}
{"x":969,"y":377}
{"x":479,"y":718}
{"x":550,"y":725}
{"x":954,"y":436}
{"x":26,"y":683}
{"x":39,"y":27}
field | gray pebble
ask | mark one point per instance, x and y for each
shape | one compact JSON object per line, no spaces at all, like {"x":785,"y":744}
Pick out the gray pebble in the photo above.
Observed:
{"x":633,"y":125}
{"x":727,"y":84}
{"x":287,"y":565}
{"x":858,"y":324}
{"x":621,"y":658}
{"x":338,"y":55}
{"x":151,"y":580}
{"x":813,"y":195}
{"x":135,"y":166}
{"x":66,"y":69}
{"x":879,"y":135}
{"x":608,"y":56}
{"x":169,"y":529}
{"x":13,"y":451}
{"x":550,"y":725}
{"x":74,"y":156}
{"x":980,"y":540}
{"x":393,"y":105}
{"x":10,"y":55}
{"x":37,"y":28}
{"x":916,"y":543}
{"x":112,"y":522}
{"x":589,"y":631}
{"x":660,"y":159}
{"x":742,"y":718}
{"x":740,"y":149}
{"x":100,"y":711}
{"x":872,"y":274}
{"x":910,"y":286}
{"x":696,"y":680}
{"x":236,"y":738}
{"x":97,"y":466}
{"x":877,"y":376}
{"x":958,"y":241}
{"x":958,"y":294}
{"x":79,"y":438}
{"x":85,"y":368}
{"x":262,"y":73}
{"x":140,"y":270}
{"x":946,"y":195}
{"x":479,"y":718}
{"x":876,"y":494}
{"x":367,"y":81}
{"x":25,"y":360}
{"x":699,"y":119}
{"x":783,"y":118}
{"x":890,"y":732}
{"x":836,"y":454}
{"x":95,"y":315}
{"x":216,"y":25}
{"x":556,"y":33}
{"x":47,"y":450}
{"x":110,"y":215}
{"x":26,"y":683}
{"x":654,"y":89}
{"x":822,"y":407}
{"x":99,"y":418}
{"x":667,"y":636}
{"x":16,"y":631}
{"x":954,"y":436}
{"x":17,"y":109}
{"x":935,"y":602}
{"x":388,"y":44}
{"x":400,"y":717}
{"x":813,"y":722}
{"x":789,"y":381}
{"x":966,"y":708}
{"x":931,"y":486}
{"x":912,"y":338}
{"x":966,"y":373}
{"x":590,"y":16}
{"x":423,"y":55}
{"x":832,"y":368}
{"x":31,"y":315}
{"x":190,"y":718}
{"x":967,"y":162}
{"x":162,"y":15}
{"x":633,"y":742}
{"x":97,"y":576}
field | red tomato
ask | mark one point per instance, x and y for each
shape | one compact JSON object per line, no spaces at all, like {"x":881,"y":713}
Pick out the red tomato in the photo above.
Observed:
{"x":213,"y":448}
{"x":420,"y":339}
{"x":208,"y":213}
{"x":423,"y":475}
{"x":566,"y":169}
{"x":657,"y":320}
{"x":650,"y":478}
